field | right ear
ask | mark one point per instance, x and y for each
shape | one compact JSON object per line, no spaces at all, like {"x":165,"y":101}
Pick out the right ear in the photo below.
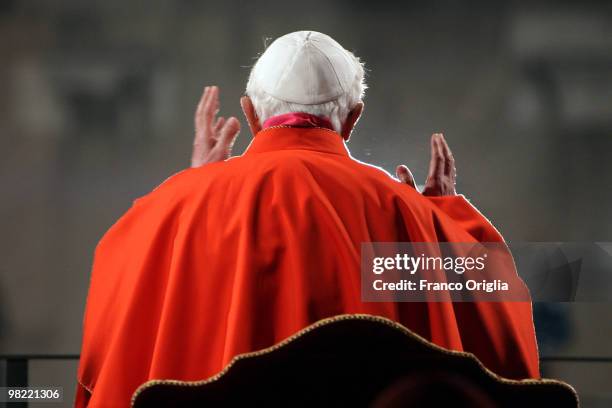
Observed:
{"x":250,"y":115}
{"x":351,"y":120}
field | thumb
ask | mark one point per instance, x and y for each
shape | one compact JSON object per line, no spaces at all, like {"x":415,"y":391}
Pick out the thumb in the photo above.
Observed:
{"x":405,"y":175}
{"x":228,"y":135}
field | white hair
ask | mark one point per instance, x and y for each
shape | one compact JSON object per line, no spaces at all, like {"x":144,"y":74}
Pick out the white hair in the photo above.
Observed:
{"x":336,"y":110}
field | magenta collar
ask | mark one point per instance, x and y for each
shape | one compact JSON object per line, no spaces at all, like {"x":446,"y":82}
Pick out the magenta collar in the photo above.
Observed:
{"x":298,"y":119}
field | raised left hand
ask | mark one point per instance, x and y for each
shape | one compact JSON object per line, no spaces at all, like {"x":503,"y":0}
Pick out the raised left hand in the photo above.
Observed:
{"x":214,"y":137}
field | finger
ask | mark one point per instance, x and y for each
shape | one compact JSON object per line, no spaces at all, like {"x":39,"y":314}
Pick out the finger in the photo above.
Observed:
{"x":198,"y":140}
{"x":216,"y":131}
{"x":212,"y":140}
{"x":437,"y":162}
{"x":228,"y":134}
{"x":405,"y":175}
{"x":449,"y":167}
{"x":211,"y":105}
{"x":215,"y":100}
{"x":219,"y":124}
{"x":202,"y":100}
{"x":198,"y":114}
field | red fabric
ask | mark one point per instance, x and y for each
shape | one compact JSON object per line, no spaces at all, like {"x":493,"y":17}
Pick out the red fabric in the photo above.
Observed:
{"x":298,"y":119}
{"x":236,"y":256}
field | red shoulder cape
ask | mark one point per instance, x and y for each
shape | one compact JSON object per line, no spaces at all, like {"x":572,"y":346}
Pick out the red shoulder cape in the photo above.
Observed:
{"x":238,"y":255}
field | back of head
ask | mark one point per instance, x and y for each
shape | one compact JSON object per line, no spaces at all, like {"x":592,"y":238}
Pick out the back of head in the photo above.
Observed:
{"x":306,"y":71}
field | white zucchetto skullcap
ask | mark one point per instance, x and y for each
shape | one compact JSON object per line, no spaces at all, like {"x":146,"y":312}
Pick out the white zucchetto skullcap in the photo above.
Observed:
{"x":305,"y":67}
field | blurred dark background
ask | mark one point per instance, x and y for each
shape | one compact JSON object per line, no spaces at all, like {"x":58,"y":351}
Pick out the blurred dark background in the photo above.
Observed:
{"x":97,"y":105}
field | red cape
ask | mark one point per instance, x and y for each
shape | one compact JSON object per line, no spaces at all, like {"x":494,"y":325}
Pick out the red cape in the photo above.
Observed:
{"x":236,"y":256}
